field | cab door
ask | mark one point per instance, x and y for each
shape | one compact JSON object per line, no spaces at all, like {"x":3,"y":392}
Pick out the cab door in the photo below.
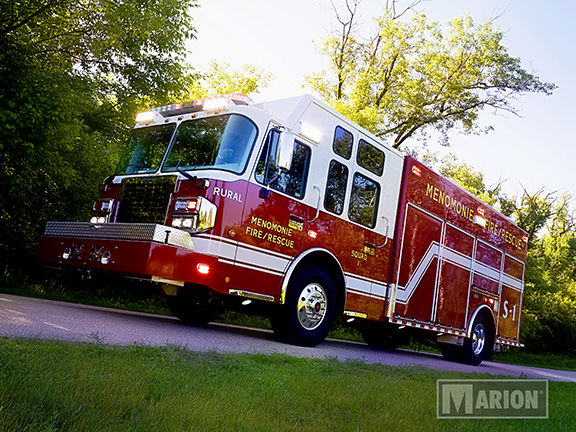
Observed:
{"x":384,"y":229}
{"x":273,"y":220}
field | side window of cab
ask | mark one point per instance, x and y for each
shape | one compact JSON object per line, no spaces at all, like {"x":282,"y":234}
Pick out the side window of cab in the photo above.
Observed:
{"x":292,"y":182}
{"x":364,"y":200}
{"x":338,"y":172}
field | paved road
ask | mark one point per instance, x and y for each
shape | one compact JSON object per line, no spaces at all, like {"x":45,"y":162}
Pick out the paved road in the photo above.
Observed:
{"x":44,"y":319}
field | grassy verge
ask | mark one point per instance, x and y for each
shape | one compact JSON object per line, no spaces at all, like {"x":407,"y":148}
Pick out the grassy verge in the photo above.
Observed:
{"x":57,"y":386}
{"x":548,"y":360}
{"x":143,"y":297}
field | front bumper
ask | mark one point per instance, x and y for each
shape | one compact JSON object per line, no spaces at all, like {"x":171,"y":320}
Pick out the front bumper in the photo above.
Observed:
{"x":150,"y":251}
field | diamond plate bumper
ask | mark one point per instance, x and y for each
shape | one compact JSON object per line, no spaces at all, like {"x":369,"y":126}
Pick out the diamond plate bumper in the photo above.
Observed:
{"x":122,"y":231}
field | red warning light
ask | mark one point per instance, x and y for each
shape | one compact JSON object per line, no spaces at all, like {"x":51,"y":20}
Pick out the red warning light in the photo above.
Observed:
{"x":192,"y":205}
{"x":203,"y":269}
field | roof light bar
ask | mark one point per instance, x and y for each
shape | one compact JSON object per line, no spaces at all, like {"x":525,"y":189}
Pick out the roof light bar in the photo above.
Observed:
{"x":210,"y":104}
{"x":219,"y":104}
{"x":146,"y":116}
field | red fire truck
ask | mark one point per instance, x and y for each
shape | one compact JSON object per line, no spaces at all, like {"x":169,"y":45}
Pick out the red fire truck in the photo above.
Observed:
{"x":289,"y":205}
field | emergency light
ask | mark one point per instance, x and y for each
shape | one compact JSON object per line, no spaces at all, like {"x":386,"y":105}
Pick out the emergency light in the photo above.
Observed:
{"x":203,"y":268}
{"x":102,"y":210}
{"x":310,"y":132}
{"x":186,"y":204}
{"x":194,"y":213}
{"x":144,"y":117}
{"x":210,"y":105}
{"x":219,"y":104}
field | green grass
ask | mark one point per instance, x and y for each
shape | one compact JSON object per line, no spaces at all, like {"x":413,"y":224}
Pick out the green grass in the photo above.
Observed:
{"x":58,"y":386}
{"x":546,"y":360}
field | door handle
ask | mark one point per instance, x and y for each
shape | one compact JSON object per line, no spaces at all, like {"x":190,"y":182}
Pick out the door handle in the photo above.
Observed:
{"x":386,"y":234}
{"x":296,"y":219}
{"x":317,"y":204}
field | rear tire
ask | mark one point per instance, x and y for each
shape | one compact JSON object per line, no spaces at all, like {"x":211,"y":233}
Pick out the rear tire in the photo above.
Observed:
{"x":476,"y":348}
{"x":380,"y":335}
{"x":308,"y":314}
{"x":479,"y":346}
{"x":193,"y":307}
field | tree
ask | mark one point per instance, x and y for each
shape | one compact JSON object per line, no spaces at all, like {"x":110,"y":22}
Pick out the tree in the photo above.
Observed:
{"x":414,"y":75}
{"x":124,"y":48}
{"x":471,"y":180}
{"x":221,"y":78}
{"x":550,"y":292}
{"x":71,"y":75}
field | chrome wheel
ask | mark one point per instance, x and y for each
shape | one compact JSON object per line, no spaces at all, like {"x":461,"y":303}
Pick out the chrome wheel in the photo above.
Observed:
{"x":478,"y":339}
{"x":311,"y":306}
{"x":477,"y":347}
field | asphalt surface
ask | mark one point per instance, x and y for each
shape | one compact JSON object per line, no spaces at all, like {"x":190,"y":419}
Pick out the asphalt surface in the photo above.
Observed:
{"x":25,"y":317}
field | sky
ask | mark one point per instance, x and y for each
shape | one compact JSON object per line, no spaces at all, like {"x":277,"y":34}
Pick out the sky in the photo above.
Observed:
{"x":535,"y":150}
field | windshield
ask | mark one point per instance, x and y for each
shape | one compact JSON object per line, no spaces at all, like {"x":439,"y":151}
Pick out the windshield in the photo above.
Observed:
{"x":221,"y":142}
{"x":145,"y":149}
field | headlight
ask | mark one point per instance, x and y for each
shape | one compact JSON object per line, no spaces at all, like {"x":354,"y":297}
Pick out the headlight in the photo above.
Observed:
{"x":102,"y":210}
{"x":194,"y":213}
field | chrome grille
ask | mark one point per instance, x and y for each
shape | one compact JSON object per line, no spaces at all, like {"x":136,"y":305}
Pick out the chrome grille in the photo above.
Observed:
{"x":145,"y":199}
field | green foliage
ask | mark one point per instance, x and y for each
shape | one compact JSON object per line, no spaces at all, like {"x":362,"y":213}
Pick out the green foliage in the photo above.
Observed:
{"x":549,"y":320}
{"x":72,"y":72}
{"x":470,"y":179}
{"x":220,"y":78}
{"x":550,"y":295}
{"x":412,"y":75}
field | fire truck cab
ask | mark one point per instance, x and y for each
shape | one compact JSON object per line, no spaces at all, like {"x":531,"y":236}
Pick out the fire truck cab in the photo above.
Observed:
{"x":290,"y":205}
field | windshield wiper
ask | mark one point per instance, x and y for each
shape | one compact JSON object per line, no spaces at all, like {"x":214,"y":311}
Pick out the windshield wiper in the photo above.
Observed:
{"x":184,"y":173}
{"x":127,"y":166}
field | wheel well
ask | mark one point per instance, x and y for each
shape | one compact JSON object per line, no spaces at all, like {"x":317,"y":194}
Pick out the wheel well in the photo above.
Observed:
{"x":486,"y":312}
{"x":326,"y":261}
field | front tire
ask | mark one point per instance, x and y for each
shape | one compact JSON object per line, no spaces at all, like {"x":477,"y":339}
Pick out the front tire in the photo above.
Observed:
{"x":308,"y":314}
{"x":193,"y":307}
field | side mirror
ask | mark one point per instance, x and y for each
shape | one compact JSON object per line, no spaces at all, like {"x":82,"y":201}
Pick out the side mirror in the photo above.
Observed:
{"x":285,"y":150}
